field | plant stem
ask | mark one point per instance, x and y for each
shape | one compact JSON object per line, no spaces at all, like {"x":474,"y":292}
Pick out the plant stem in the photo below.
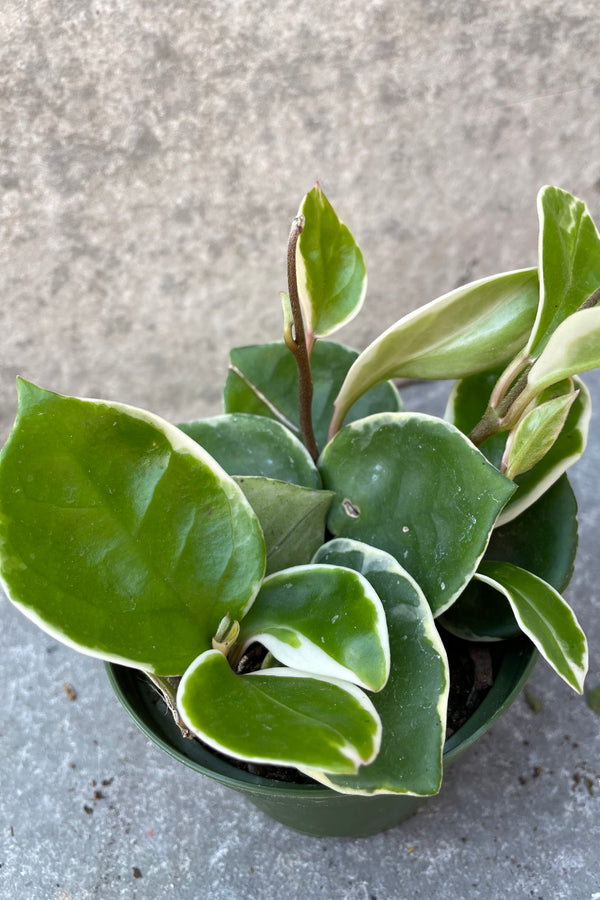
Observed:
{"x":591,"y":301}
{"x":167,"y":688}
{"x":515,"y":391}
{"x":297,"y":344}
{"x":512,"y":371}
{"x":507,"y":405}
{"x":485,"y":428}
{"x":499,"y":419}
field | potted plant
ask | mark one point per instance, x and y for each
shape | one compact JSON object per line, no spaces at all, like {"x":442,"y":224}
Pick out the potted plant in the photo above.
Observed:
{"x":293,"y":576}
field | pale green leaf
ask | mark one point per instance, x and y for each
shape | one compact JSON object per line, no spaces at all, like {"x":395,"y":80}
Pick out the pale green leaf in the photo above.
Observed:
{"x":544,"y":617}
{"x":467,"y":404}
{"x":292,"y":519}
{"x":332,"y":277}
{"x":471,"y":329}
{"x":415,"y":486}
{"x":322,"y":619}
{"x":278,"y":716}
{"x":246,"y":444}
{"x":412,"y":705}
{"x":536,"y":432}
{"x":569,"y":262}
{"x":119,"y":535}
{"x":574,"y":347}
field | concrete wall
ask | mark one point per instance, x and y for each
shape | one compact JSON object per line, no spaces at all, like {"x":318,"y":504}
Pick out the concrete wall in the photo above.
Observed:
{"x":153,"y":154}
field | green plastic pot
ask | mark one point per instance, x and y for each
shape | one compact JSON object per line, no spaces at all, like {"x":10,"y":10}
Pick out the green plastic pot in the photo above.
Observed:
{"x":312,"y":808}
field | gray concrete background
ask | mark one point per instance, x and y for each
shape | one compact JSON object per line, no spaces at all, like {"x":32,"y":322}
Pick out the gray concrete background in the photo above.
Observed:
{"x":153,"y":154}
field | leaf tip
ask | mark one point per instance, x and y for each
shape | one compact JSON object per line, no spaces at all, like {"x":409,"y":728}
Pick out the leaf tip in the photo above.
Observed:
{"x":28,"y":393}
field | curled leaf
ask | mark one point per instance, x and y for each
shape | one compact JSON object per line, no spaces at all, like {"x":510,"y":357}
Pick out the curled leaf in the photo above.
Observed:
{"x":471,"y":329}
{"x":278,"y":716}
{"x":323,"y":619}
{"x":544,"y":617}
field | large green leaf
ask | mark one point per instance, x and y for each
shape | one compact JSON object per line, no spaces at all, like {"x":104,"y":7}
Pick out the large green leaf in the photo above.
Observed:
{"x":471,"y":329}
{"x":574,"y":347}
{"x":543,"y":540}
{"x":254,"y":445}
{"x":263,"y":379}
{"x":119,"y":535}
{"x":544,"y":617}
{"x":569,"y":262}
{"x":332,"y":277}
{"x":415,"y":486}
{"x":322,"y":619}
{"x":292,"y":519}
{"x":412,"y":705}
{"x":466,"y":406}
{"x":278,"y":716}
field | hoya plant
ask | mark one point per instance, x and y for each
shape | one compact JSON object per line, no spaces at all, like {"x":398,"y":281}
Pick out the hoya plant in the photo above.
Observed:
{"x":284,"y":572}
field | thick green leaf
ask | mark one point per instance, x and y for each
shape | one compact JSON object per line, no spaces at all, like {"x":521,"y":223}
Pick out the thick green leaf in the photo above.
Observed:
{"x":574,"y":347}
{"x":332,"y":277}
{"x":263,"y":379}
{"x":119,"y":535}
{"x":322,"y":619}
{"x":544,"y":617}
{"x":468,"y":402}
{"x":536,"y":432}
{"x":543,"y":540}
{"x":569,"y":262}
{"x":278,"y":716}
{"x":412,"y":705}
{"x":414,"y":486}
{"x":472,"y":329}
{"x":292,"y":519}
{"x":244,"y":444}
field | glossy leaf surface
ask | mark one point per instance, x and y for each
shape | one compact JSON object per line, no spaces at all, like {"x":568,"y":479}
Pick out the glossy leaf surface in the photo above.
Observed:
{"x":543,"y":540}
{"x":412,"y":705}
{"x":292,"y":519}
{"x":332,"y":277}
{"x":244,"y":444}
{"x":278,"y":716}
{"x":414,"y":486}
{"x":322,"y":619}
{"x":569,"y":262}
{"x":263,"y":379}
{"x":120,"y":536}
{"x":544,"y":617}
{"x":471,"y":329}
{"x":467,"y":404}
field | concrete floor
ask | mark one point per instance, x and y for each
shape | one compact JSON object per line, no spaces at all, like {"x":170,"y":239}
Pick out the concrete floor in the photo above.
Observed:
{"x":153,"y":155}
{"x":88,"y":802}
